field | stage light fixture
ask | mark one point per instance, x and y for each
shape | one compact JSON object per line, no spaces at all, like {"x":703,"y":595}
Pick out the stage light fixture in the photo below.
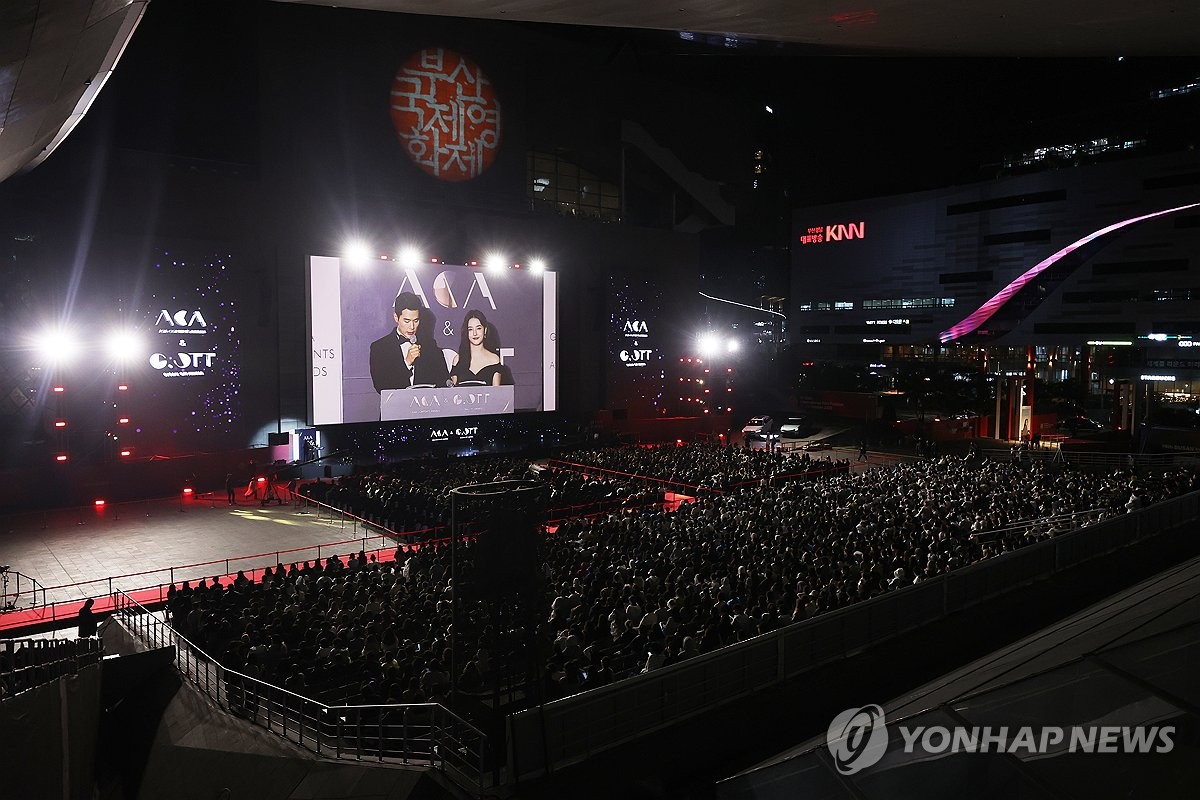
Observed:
{"x":98,"y":503}
{"x":61,"y":457}
{"x":123,"y":421}
{"x":57,"y":346}
{"x":537,"y":265}
{"x":60,"y":423}
{"x":187,"y":490}
{"x":732,"y":346}
{"x":409,"y":256}
{"x":709,"y":344}
{"x":356,"y":252}
{"x":495,"y":262}
{"x":122,"y":387}
{"x":59,"y":389}
{"x":124,"y":346}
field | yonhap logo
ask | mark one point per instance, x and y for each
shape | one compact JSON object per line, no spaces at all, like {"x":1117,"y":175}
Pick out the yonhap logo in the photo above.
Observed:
{"x":857,"y":738}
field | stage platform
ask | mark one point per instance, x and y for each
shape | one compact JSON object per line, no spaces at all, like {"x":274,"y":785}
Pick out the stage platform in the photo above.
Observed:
{"x":73,"y":553}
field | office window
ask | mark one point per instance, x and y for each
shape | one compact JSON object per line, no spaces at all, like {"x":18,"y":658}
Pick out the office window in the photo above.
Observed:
{"x":558,"y":185}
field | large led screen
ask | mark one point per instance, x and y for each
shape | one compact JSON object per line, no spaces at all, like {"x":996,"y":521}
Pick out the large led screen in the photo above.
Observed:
{"x":428,"y":341}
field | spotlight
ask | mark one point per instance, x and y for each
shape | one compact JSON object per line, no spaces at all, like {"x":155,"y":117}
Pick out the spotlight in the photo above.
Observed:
{"x":731,"y":346}
{"x":537,"y":265}
{"x":709,"y":344}
{"x":57,"y":346}
{"x":123,"y":346}
{"x":494,"y":262}
{"x":356,"y":252}
{"x":409,"y":256}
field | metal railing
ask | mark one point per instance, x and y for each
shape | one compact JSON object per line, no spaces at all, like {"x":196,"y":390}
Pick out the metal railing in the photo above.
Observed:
{"x":421,"y":734}
{"x":19,"y":598}
{"x":369,"y":537}
{"x":568,"y":731}
{"x":27,"y":663}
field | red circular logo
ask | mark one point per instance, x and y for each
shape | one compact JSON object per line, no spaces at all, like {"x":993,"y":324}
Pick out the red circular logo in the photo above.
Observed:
{"x":446,"y":114}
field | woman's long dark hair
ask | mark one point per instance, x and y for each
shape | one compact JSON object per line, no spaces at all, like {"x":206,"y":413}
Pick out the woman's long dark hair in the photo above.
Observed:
{"x":491,"y":339}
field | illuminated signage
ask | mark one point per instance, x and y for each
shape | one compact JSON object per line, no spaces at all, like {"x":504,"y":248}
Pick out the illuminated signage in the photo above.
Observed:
{"x":182,"y":321}
{"x":874,"y":341}
{"x":813,"y":341}
{"x":635,"y":354}
{"x":889,"y":322}
{"x":446,"y":434}
{"x":1109,"y":343}
{"x":181,"y":364}
{"x":1187,"y":343}
{"x":446,"y":114}
{"x":834,"y":233}
{"x":1158,"y":377}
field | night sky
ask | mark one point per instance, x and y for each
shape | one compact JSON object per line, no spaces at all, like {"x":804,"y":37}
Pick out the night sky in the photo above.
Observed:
{"x":844,"y":126}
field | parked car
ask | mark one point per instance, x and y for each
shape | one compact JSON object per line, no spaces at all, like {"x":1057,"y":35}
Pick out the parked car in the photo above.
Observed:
{"x":795,"y":428}
{"x":757,"y":425}
{"x":815,"y":446}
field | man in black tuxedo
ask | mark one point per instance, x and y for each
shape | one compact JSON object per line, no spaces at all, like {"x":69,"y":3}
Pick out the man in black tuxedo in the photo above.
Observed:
{"x":408,"y":356}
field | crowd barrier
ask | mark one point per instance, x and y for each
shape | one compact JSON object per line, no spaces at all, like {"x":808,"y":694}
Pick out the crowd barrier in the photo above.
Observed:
{"x":26,"y":663}
{"x":423,"y":734}
{"x":568,"y":731}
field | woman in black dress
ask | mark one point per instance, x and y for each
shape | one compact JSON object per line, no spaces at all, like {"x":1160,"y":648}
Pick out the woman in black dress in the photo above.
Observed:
{"x":478,"y":359}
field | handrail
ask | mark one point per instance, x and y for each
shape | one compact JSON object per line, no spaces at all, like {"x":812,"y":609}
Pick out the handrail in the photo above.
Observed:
{"x":28,"y":663}
{"x":6,"y":575}
{"x":191,"y":572}
{"x":423,"y":733}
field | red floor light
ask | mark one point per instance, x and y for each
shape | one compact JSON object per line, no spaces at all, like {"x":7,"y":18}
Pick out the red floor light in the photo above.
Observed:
{"x":60,"y":457}
{"x":98,"y":503}
{"x":59,"y":389}
{"x":125,"y":453}
{"x":60,"y":423}
{"x":122,"y":387}
{"x":188,"y":490}
{"x":123,"y":421}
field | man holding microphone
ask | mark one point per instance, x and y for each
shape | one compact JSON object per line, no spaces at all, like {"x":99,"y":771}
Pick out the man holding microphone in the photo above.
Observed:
{"x":408,"y":356}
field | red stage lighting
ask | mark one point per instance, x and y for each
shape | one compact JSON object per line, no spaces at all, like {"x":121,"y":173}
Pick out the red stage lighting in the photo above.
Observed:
{"x":122,"y":387}
{"x":98,"y":503}
{"x":59,"y":389}
{"x":123,"y":420}
{"x":61,"y":457}
{"x":125,"y":453}
{"x":60,"y":423}
{"x":262,"y":480}
{"x":188,"y":490}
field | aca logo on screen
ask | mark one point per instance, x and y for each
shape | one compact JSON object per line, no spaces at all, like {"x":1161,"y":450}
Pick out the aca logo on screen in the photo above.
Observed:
{"x":182,"y":321}
{"x":444,"y":289}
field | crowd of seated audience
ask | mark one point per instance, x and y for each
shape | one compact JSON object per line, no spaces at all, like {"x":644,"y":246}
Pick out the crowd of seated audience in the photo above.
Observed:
{"x":633,"y":591}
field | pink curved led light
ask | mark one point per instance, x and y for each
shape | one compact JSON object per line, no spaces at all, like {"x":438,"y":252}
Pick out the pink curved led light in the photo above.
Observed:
{"x":985,"y":311}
